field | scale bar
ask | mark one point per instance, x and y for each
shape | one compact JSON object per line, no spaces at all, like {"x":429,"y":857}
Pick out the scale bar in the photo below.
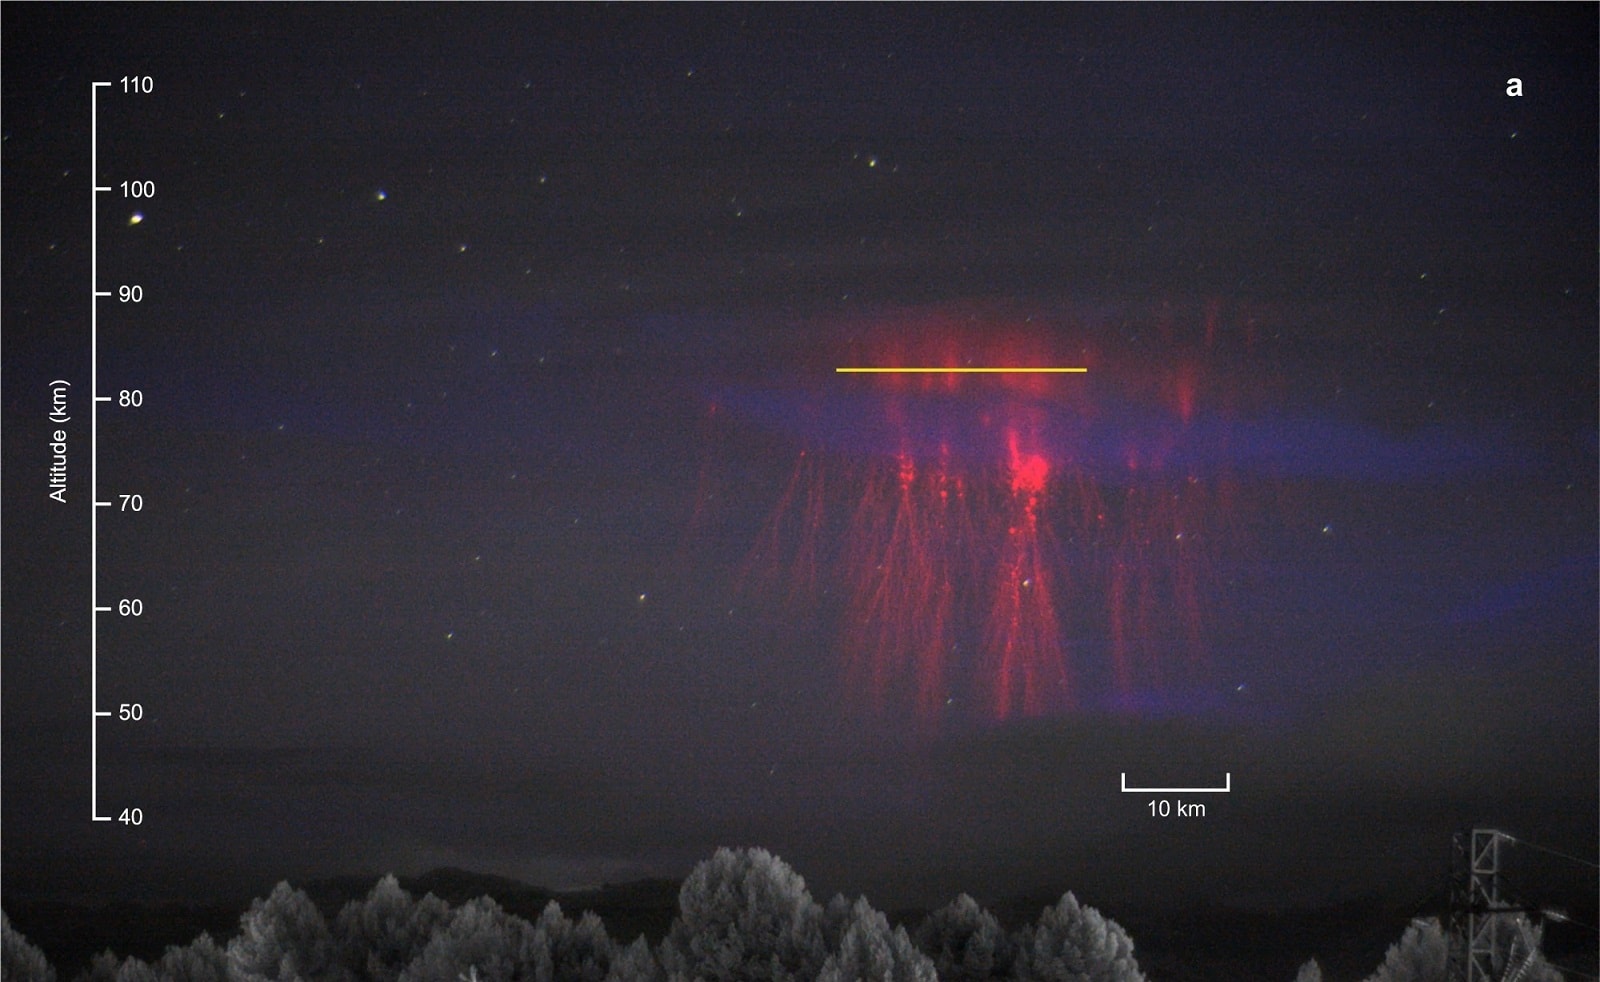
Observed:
{"x":984,"y":370}
{"x":1227,"y":786}
{"x":94,"y":448}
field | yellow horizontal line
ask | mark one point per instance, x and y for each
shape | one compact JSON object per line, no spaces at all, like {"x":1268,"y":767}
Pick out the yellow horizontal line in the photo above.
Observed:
{"x":958,"y":371}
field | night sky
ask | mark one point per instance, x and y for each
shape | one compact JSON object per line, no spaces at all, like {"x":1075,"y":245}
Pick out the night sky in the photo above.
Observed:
{"x":503,"y":508}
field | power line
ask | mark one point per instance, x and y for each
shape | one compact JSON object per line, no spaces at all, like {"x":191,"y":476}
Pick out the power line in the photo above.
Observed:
{"x":1553,"y":852}
{"x":1560,"y":917}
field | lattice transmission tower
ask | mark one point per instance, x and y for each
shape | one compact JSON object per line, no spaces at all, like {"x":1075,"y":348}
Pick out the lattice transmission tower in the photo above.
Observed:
{"x":1491,"y":938}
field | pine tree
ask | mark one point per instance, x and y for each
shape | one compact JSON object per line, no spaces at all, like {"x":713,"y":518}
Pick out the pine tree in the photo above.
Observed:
{"x":102,"y":968}
{"x":870,"y":952}
{"x":568,"y":952}
{"x":283,"y":938}
{"x":480,"y":941}
{"x":1073,"y":943}
{"x":105,"y":967}
{"x":744,"y":916}
{"x":634,"y":963}
{"x":1421,"y":955}
{"x":201,"y":961}
{"x":835,"y":921}
{"x":379,"y":936}
{"x":965,"y":942}
{"x":136,"y":970}
{"x":19,"y":960}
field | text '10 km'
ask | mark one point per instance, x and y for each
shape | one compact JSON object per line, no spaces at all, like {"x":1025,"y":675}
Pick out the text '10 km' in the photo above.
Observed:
{"x":1162,"y":808}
